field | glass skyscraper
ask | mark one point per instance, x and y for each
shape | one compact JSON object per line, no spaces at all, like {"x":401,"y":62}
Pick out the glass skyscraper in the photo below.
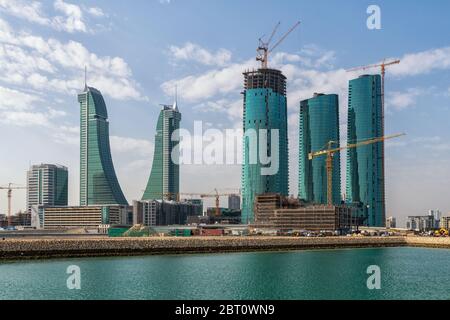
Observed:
{"x":98,"y":180}
{"x":47,"y":184}
{"x":318,"y":124}
{"x":365,"y":180}
{"x":265,"y":108}
{"x":164,"y":180}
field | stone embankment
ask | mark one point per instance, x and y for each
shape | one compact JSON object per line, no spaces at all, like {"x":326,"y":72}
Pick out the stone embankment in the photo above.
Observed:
{"x":53,"y":248}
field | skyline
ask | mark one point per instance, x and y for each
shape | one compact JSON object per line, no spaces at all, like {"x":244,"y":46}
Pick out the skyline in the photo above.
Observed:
{"x":208,"y":70}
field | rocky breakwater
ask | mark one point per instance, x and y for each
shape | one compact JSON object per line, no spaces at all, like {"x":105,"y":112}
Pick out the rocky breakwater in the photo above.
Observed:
{"x":52,"y":248}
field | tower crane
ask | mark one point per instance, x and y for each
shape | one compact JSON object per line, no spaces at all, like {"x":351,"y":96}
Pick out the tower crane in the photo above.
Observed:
{"x":9,"y":189}
{"x":264,"y":46}
{"x":330,"y":151}
{"x":383,"y":66}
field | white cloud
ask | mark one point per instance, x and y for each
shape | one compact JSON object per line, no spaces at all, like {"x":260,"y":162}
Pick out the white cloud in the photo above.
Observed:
{"x":131,"y":145}
{"x":194,"y":52}
{"x":29,"y":10}
{"x":402,"y":100}
{"x":211,"y":83}
{"x":422,"y":62}
{"x":73,"y":19}
{"x":39,"y":63}
{"x":70,"y":16}
{"x":96,"y":12}
{"x":16,"y":100}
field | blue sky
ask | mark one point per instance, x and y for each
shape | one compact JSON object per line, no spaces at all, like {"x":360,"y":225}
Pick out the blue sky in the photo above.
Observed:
{"x":136,"y":52}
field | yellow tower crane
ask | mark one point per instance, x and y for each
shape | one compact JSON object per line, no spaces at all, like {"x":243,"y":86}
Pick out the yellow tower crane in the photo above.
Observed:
{"x":330,"y":151}
{"x":9,"y":189}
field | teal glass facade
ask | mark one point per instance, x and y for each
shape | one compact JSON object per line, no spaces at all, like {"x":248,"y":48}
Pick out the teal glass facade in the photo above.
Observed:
{"x":98,"y":180}
{"x":365,"y":180}
{"x":318,"y":124}
{"x":265,"y":107}
{"x":164,"y":180}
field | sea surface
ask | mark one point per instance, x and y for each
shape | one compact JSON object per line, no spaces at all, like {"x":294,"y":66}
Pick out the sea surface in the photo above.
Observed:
{"x":405,"y":273}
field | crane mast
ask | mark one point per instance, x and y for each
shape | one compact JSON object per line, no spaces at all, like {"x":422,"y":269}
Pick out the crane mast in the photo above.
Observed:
{"x":330,"y":151}
{"x":9,"y":189}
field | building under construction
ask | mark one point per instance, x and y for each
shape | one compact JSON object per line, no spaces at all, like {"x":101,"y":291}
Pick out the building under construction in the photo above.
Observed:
{"x":277,"y":212}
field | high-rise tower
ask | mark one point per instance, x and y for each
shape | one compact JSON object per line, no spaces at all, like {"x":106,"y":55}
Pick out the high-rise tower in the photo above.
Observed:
{"x":98,"y":181}
{"x":318,"y":124}
{"x":365,"y":179}
{"x":47,"y":184}
{"x":265,"y":110}
{"x":164,"y":180}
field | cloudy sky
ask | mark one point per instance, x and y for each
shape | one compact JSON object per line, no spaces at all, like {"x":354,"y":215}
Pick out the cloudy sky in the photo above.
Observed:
{"x":136,"y":54}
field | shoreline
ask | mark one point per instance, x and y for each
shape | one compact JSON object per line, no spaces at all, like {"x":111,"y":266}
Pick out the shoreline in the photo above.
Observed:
{"x":22,"y":249}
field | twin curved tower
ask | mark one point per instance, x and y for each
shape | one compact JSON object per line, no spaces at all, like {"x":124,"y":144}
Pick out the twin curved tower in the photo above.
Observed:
{"x":98,"y":180}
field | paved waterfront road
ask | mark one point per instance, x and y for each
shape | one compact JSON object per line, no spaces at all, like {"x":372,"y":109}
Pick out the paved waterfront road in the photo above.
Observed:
{"x":406,"y":273}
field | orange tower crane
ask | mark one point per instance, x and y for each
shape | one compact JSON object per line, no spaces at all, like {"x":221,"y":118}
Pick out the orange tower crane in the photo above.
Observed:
{"x":9,"y":189}
{"x":329,"y":153}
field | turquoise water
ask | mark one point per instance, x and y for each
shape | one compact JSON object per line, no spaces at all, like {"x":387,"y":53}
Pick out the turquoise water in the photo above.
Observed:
{"x":406,"y":273}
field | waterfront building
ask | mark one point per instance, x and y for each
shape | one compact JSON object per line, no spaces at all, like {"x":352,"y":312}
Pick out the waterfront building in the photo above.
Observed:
{"x":163,"y":213}
{"x":437,"y":214}
{"x":234,"y":202}
{"x":420,"y":223}
{"x":48,"y":217}
{"x":265,"y":110}
{"x":365,"y":173}
{"x":47,"y":184}
{"x":445,"y":223}
{"x":164,"y":180}
{"x":391,"y":223}
{"x":273,"y":211}
{"x":318,"y":125}
{"x":98,"y":180}
{"x":199,"y":205}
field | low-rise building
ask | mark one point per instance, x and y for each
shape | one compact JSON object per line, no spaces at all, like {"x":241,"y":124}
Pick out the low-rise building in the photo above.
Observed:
{"x":420,"y":223}
{"x":277,"y":212}
{"x":445,"y":223}
{"x":47,"y":217}
{"x":391,"y":223}
{"x":164,"y":213}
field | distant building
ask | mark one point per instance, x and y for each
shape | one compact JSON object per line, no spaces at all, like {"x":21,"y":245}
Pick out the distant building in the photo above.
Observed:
{"x":265,"y":110}
{"x":98,"y":180}
{"x":21,"y":219}
{"x":46,"y":217}
{"x":198,"y":203}
{"x":234,"y":202}
{"x":391,"y":223}
{"x":437,"y":214}
{"x":164,"y":180}
{"x":420,"y":223}
{"x":445,"y":223}
{"x":318,"y":125}
{"x":163,"y":213}
{"x":47,"y":184}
